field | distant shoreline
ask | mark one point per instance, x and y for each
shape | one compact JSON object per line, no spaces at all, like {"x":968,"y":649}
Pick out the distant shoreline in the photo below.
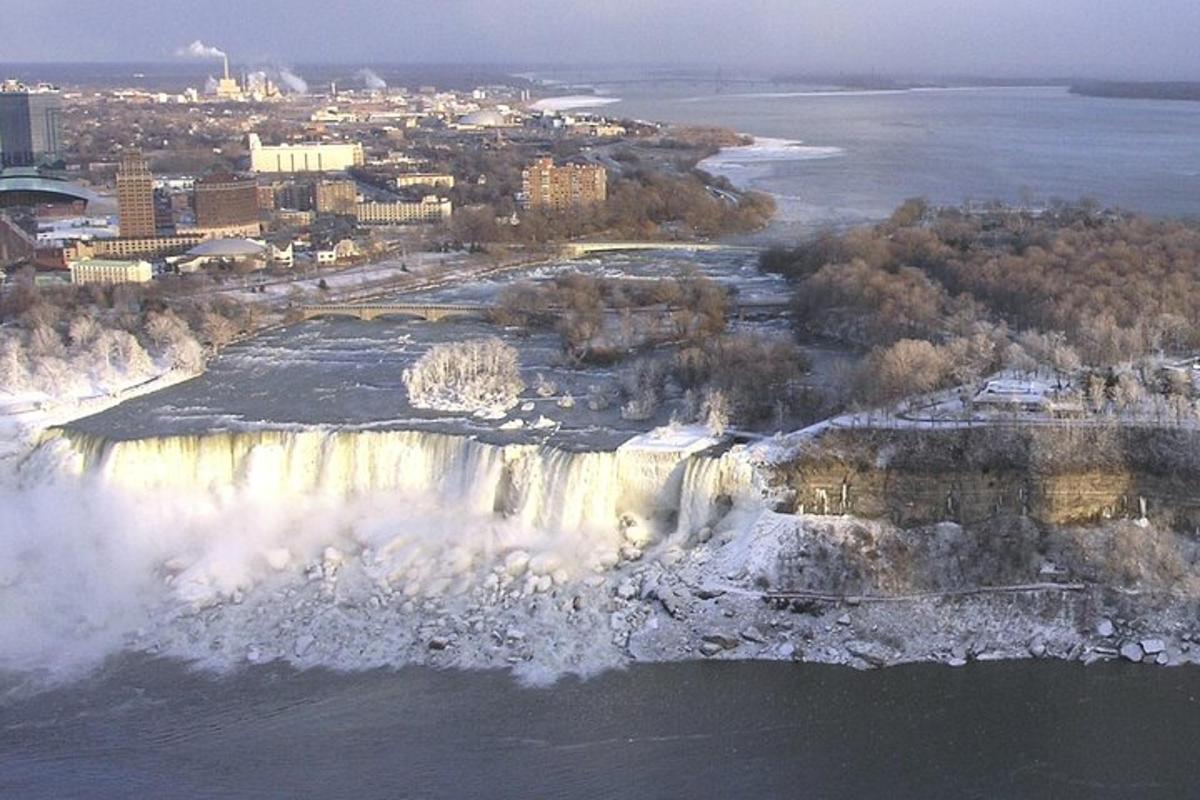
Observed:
{"x":1139,"y":90}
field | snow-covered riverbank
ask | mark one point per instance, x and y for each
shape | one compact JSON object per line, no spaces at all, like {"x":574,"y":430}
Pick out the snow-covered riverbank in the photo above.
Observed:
{"x":25,"y":416}
{"x":355,"y":550}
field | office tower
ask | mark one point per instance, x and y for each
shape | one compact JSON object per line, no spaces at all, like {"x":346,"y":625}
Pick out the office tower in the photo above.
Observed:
{"x":30,"y":125}
{"x":135,"y":197}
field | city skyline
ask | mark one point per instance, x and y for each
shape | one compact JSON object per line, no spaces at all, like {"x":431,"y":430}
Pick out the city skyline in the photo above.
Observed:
{"x":1014,"y":37}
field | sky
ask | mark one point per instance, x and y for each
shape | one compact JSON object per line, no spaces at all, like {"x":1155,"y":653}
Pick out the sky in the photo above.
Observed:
{"x":1147,"y":39}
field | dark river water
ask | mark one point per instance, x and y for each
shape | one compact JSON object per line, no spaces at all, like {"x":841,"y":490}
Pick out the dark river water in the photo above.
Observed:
{"x":691,"y":730}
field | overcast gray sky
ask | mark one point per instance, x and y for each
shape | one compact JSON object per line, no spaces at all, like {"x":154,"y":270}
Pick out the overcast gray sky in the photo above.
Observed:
{"x":1117,"y":38}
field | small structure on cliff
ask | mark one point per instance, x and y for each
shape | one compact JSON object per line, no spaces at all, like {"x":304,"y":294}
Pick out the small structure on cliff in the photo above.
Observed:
{"x":1008,"y":393}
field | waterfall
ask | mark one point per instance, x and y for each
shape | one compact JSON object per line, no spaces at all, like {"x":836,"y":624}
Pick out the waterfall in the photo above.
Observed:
{"x":110,"y":537}
{"x":710,"y":487}
{"x":541,"y":487}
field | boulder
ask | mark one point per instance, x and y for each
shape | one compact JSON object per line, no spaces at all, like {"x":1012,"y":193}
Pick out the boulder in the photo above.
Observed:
{"x":1132,"y":651}
{"x":722,"y":640}
{"x":1037,"y":647}
{"x":752,"y":634}
{"x":1153,"y":647}
{"x":874,"y":654}
{"x":1105,"y":628}
{"x":710,"y":649}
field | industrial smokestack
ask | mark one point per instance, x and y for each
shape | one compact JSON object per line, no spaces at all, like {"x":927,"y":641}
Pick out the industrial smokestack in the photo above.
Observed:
{"x":226,"y":57}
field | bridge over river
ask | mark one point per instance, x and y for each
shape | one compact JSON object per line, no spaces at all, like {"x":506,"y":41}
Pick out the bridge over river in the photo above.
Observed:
{"x":579,"y":249}
{"x":435,"y":312}
{"x":430,"y":312}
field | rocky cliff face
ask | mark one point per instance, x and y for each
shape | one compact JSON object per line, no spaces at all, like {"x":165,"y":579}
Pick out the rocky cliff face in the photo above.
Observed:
{"x":916,"y":478}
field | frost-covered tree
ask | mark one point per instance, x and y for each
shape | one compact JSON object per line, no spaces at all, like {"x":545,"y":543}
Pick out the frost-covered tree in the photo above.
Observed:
{"x":478,"y":374}
{"x":173,"y":339}
{"x":218,"y":329}
{"x":82,"y":329}
{"x":643,"y":384}
{"x":14,"y":372}
{"x":715,"y":411}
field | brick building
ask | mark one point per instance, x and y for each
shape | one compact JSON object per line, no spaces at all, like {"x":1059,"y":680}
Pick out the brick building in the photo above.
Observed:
{"x":553,"y":188}
{"x":225,"y":201}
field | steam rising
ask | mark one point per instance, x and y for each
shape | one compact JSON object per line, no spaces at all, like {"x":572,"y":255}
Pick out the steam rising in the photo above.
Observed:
{"x":292,"y":82}
{"x":370,"y":79}
{"x":199,"y":49}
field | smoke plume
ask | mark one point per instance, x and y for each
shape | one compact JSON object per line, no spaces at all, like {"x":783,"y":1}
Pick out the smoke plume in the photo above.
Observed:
{"x":292,"y":82}
{"x":199,"y":49}
{"x":370,"y":79}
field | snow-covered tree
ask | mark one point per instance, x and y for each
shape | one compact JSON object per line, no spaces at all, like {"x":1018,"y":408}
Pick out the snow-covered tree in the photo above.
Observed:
{"x":478,"y":374}
{"x":174,"y":341}
{"x":715,"y":412}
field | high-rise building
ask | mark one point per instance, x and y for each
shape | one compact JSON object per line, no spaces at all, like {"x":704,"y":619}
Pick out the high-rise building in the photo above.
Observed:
{"x":559,"y":188}
{"x":336,"y":197}
{"x":224,"y":200}
{"x":135,"y":197}
{"x":30,"y":125}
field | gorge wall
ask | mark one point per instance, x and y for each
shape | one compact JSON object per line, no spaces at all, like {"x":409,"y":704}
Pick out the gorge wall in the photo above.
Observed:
{"x":1058,"y":477}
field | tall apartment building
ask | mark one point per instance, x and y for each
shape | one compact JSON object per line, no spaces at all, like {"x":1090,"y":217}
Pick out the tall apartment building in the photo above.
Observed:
{"x":559,"y":188}
{"x":227,"y":202}
{"x":307,"y":157}
{"x":30,"y":125}
{"x":135,"y":197}
{"x":336,"y":197}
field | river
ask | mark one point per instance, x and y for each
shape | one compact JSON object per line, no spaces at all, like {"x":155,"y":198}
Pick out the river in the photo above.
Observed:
{"x":697,"y":730}
{"x":837,"y":158}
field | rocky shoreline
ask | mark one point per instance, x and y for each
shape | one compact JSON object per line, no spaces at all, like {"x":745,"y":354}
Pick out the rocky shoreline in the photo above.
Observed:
{"x":679,"y":601}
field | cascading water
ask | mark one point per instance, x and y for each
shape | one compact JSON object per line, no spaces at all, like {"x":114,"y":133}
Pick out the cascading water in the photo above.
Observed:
{"x":105,"y":537}
{"x":542,"y":487}
{"x":712,"y":486}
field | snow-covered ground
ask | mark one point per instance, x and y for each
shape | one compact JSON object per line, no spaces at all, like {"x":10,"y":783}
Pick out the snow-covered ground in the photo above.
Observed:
{"x":26,"y":415}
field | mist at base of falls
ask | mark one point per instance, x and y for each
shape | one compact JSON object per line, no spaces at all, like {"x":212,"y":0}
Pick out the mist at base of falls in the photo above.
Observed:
{"x":116,"y":545}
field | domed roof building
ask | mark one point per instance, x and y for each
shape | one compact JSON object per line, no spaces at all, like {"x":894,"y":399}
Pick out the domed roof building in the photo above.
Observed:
{"x":228,"y":248}
{"x":242,"y":254}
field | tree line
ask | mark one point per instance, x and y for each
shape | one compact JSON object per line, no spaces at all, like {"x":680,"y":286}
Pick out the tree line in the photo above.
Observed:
{"x":938,"y":297}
